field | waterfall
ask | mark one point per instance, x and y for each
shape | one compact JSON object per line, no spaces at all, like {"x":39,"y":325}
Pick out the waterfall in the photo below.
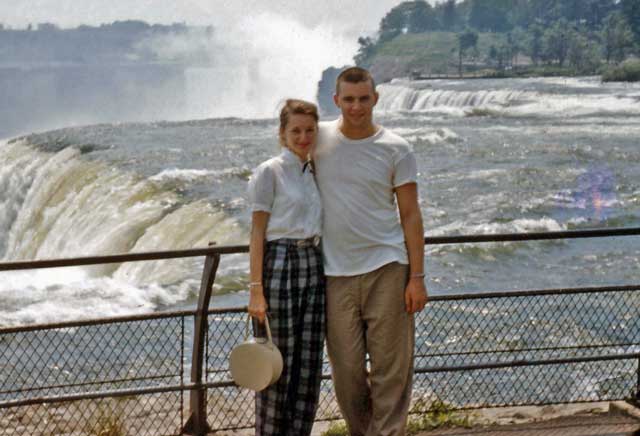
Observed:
{"x":57,"y":205}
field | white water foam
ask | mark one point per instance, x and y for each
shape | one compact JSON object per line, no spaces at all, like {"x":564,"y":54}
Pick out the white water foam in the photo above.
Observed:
{"x":193,"y":175}
{"x":569,"y":82}
{"x":59,"y":205}
{"x":193,"y":225}
{"x":48,"y":296}
{"x":401,"y":97}
{"x":429,"y":135}
{"x":575,"y":106}
{"x":522,"y":225}
{"x":397,"y":97}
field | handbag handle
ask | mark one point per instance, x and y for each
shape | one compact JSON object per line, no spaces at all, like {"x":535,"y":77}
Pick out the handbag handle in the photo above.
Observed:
{"x":266,"y":322}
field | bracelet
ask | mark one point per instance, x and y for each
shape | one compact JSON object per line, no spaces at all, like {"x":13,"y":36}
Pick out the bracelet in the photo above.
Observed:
{"x":253,"y":284}
{"x":417,"y":276}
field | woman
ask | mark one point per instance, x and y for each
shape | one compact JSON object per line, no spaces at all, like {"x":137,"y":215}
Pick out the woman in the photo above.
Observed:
{"x":287,"y":281}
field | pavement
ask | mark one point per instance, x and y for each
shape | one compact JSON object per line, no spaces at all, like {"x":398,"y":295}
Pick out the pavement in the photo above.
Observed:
{"x":585,"y":425}
{"x":598,"y":419}
{"x":588,"y":419}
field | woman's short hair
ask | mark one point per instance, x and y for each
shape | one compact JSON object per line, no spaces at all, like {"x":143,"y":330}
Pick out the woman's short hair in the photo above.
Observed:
{"x":293,"y":106}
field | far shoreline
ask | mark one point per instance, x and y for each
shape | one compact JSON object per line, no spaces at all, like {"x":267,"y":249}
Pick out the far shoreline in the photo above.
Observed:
{"x":626,"y":72}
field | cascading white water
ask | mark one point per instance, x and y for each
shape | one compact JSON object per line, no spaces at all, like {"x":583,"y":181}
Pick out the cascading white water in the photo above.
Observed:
{"x":60,"y":205}
{"x":407,"y":96}
{"x":394,"y":97}
{"x":74,"y":207}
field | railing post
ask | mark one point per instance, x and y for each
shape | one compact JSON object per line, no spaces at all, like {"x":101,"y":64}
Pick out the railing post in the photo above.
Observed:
{"x":637,"y":396}
{"x":197,"y":423}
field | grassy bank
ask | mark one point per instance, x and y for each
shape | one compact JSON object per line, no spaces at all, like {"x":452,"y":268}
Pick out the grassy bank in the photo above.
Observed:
{"x":433,"y":53}
{"x":628,"y":71}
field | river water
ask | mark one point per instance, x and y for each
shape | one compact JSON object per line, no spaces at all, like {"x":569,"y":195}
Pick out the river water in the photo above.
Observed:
{"x":494,"y":156}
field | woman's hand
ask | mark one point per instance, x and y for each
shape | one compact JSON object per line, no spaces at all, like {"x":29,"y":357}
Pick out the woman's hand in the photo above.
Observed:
{"x":257,"y":304}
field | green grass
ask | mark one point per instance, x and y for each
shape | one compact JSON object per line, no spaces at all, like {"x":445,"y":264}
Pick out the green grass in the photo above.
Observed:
{"x":436,"y":52}
{"x":438,"y":414}
{"x":628,"y":71}
{"x":425,"y":417}
{"x":336,"y":428}
{"x":109,"y":422}
{"x":108,"y":427}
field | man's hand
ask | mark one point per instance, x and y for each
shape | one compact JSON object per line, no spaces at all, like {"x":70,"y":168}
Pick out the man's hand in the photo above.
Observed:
{"x":415,"y":295}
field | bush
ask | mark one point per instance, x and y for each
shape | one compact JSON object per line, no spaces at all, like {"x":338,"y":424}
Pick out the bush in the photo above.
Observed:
{"x":628,"y":71}
{"x":107,"y":423}
{"x":437,"y":414}
{"x":337,"y":428}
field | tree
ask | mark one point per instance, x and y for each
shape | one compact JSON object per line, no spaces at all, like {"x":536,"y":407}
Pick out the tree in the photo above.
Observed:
{"x":595,"y":11}
{"x":582,"y":55}
{"x":517,"y":41}
{"x":487,"y":15}
{"x":493,"y":53}
{"x":534,"y":42}
{"x":616,"y":37}
{"x":631,"y":10}
{"x":449,"y":15}
{"x":466,"y":40}
{"x":519,"y":13}
{"x":555,"y":42}
{"x":544,"y":12}
{"x":500,"y":55}
{"x":393,"y":23}
{"x":420,"y":17}
{"x":365,"y":51}
{"x":47,"y":27}
{"x":408,"y":17}
{"x":572,"y":10}
{"x":131,"y":26}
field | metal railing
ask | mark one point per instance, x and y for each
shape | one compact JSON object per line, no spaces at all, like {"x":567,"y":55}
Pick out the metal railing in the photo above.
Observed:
{"x":473,"y":350}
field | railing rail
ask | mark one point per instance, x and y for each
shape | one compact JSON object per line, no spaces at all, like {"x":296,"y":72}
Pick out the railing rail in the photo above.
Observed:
{"x":235,"y":249}
{"x":480,"y":358}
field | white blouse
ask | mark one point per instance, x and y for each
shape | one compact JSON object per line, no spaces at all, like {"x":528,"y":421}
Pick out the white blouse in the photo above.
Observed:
{"x":285,"y":187}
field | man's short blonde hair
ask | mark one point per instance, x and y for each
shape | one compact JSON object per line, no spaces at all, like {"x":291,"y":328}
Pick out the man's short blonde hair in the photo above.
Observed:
{"x":354,"y":75}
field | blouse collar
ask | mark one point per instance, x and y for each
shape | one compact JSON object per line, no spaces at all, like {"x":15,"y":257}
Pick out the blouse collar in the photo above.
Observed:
{"x":289,"y":156}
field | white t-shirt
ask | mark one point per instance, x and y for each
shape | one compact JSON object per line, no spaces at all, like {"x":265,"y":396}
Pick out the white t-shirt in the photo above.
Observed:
{"x":285,"y":187}
{"x":361,"y":225}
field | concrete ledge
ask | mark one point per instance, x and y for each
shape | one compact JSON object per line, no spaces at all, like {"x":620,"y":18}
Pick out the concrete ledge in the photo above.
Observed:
{"x":624,"y":408}
{"x":520,"y":416}
{"x":528,"y":414}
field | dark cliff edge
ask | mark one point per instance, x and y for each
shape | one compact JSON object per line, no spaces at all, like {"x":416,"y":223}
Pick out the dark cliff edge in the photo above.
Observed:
{"x":326,"y":89}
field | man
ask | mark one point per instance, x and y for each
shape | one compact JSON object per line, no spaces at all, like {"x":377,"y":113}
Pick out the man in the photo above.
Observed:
{"x":374,"y":262}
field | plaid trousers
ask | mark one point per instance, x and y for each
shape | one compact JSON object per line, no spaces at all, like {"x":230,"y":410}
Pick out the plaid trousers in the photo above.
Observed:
{"x":294,"y":287}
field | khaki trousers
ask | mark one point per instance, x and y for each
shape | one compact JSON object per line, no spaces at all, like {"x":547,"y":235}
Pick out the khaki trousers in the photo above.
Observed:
{"x":366,"y":315}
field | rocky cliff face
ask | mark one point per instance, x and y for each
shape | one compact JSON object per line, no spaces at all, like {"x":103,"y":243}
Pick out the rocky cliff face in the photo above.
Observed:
{"x":326,"y":89}
{"x":383,"y":70}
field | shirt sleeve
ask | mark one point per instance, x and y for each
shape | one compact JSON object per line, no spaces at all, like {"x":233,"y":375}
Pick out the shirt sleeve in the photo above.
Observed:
{"x":406,"y":170}
{"x":261,"y":189}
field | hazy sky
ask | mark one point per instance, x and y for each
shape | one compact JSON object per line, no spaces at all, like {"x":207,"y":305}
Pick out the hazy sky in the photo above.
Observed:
{"x":263,"y":50}
{"x":347,"y":17}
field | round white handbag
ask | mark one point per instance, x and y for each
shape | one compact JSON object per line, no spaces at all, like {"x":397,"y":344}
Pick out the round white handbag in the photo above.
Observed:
{"x":256,"y":363}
